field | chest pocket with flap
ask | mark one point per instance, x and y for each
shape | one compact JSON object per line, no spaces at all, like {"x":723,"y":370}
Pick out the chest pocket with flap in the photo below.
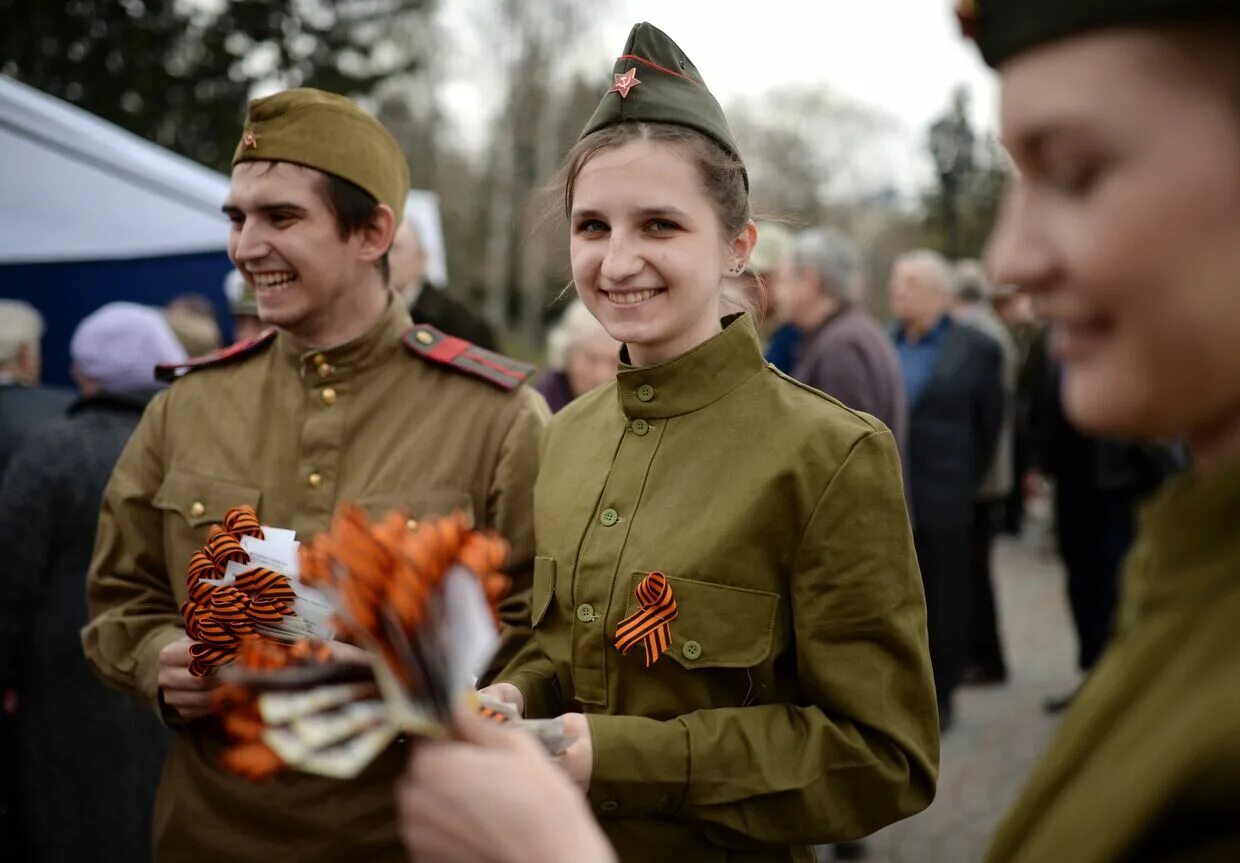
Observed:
{"x":717,"y":625}
{"x":420,"y":503}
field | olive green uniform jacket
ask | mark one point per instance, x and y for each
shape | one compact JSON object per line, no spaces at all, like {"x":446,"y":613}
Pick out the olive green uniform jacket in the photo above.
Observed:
{"x":293,"y":434}
{"x":1146,"y":765}
{"x":795,"y":704}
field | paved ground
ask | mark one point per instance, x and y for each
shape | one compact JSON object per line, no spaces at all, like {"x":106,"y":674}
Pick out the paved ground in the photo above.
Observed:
{"x":999,"y":731}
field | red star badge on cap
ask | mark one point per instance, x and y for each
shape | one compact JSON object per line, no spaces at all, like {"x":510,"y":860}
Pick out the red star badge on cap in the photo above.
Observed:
{"x":625,"y":83}
{"x":249,"y":140}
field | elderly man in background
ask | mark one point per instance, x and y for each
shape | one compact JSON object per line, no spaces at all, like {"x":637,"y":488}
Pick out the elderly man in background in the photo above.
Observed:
{"x":843,"y":351}
{"x":985,"y":663}
{"x":580,"y":357}
{"x":24,"y":403}
{"x":88,"y":758}
{"x":953,"y":375}
{"x":426,"y":304}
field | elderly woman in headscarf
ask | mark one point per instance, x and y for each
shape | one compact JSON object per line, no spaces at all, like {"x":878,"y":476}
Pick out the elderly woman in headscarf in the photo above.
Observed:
{"x":580,"y":357}
{"x":88,"y":759}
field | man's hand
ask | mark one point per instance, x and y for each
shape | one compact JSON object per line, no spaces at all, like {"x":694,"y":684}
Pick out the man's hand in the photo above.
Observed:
{"x":506,"y":693}
{"x":188,"y":696}
{"x":578,"y":759}
{"x":493,"y":797}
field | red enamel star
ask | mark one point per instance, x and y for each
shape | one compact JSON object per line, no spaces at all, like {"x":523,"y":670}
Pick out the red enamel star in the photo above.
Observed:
{"x":249,"y":140}
{"x":625,"y":83}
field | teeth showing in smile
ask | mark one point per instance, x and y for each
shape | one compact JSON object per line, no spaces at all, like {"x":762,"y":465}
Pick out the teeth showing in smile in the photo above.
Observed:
{"x":630,"y":298}
{"x":271,"y":281}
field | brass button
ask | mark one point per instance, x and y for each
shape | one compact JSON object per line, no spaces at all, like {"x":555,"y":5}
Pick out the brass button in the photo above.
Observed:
{"x":325,"y":371}
{"x":608,"y":517}
{"x":640,"y":427}
{"x":424,"y":337}
{"x":691,"y":650}
{"x":196,"y":509}
{"x":412,"y":524}
{"x":585,"y":613}
{"x":328,"y":396}
{"x":645,"y":393}
{"x":320,"y":360}
{"x":315,"y":479}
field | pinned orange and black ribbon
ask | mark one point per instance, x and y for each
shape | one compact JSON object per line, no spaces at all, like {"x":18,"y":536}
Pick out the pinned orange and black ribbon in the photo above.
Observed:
{"x":651,"y":626}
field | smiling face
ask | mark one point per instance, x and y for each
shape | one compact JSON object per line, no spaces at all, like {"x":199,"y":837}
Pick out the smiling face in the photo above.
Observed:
{"x":1124,"y":226}
{"x":286,"y":243}
{"x":648,"y":249}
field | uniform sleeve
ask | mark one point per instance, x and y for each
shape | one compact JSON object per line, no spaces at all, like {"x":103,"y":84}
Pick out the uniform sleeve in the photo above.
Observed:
{"x":132,"y":611}
{"x":859,"y":747}
{"x":510,"y":508}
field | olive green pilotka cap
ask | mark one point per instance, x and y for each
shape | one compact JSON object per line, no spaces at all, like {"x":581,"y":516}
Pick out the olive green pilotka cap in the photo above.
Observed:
{"x":328,"y":133}
{"x":654,"y":82}
{"x":1005,"y":28}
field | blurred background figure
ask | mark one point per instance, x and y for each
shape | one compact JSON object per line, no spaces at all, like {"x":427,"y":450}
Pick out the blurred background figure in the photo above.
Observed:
{"x":243,"y":306}
{"x":985,"y":663}
{"x":429,"y":305}
{"x":1099,"y":484}
{"x":192,"y":318}
{"x":842,"y":350}
{"x":953,"y":375}
{"x":24,"y":403}
{"x":768,"y":266}
{"x":1015,"y":309}
{"x":580,"y":357}
{"x":88,"y":758}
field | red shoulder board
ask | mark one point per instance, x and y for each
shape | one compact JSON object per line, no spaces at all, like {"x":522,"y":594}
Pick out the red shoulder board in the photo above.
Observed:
{"x":430,"y":344}
{"x":169,"y":372}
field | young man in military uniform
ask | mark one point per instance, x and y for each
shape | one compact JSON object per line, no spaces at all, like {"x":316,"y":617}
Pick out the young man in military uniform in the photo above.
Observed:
{"x":343,"y":400}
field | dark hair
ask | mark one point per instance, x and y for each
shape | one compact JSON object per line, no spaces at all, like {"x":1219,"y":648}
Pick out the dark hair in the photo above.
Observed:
{"x":354,"y":208}
{"x":722,"y":173}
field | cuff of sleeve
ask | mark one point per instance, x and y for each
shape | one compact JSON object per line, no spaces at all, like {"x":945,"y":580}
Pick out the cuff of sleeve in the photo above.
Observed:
{"x":541,"y":698}
{"x":641,"y":765}
{"x":146,"y":671}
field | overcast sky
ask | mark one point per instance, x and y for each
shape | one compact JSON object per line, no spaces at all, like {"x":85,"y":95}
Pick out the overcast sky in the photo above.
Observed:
{"x":903,"y":57}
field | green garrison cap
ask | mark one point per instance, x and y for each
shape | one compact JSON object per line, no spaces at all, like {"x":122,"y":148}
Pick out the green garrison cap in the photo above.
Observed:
{"x":331,"y":134}
{"x":1005,"y":28}
{"x":653,"y":81}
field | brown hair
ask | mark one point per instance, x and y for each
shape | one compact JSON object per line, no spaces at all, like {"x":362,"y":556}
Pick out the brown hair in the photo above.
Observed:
{"x":722,"y":173}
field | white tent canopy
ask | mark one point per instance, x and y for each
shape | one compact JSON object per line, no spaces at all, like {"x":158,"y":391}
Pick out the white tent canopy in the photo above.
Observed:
{"x":74,"y":187}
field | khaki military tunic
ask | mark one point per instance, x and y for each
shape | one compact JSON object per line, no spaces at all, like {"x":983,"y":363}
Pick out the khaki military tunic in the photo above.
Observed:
{"x":795,"y":704}
{"x":1146,"y":765}
{"x":292,"y":433}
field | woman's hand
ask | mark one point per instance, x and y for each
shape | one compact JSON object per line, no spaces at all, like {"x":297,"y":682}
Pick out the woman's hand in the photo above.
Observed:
{"x":578,"y":759}
{"x":507,"y":693}
{"x":494,"y":797}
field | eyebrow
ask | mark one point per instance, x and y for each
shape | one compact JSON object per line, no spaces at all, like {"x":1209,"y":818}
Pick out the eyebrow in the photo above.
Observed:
{"x":279,"y":206}
{"x":644,"y":212}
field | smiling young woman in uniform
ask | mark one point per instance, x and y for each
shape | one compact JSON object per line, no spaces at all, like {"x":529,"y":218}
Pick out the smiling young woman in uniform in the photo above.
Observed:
{"x":727,"y":606}
{"x":1123,"y":117}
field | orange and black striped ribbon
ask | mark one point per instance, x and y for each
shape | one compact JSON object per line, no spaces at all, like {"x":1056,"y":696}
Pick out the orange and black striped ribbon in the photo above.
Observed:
{"x":651,"y":626}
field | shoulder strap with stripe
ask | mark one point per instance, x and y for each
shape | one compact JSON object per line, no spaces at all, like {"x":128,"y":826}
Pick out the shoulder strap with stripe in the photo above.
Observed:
{"x":434,"y":346}
{"x":168,"y":372}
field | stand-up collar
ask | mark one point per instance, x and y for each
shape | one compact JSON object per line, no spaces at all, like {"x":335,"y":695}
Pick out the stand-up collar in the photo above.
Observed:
{"x":365,"y":351}
{"x":694,"y":379}
{"x":1189,"y":545}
